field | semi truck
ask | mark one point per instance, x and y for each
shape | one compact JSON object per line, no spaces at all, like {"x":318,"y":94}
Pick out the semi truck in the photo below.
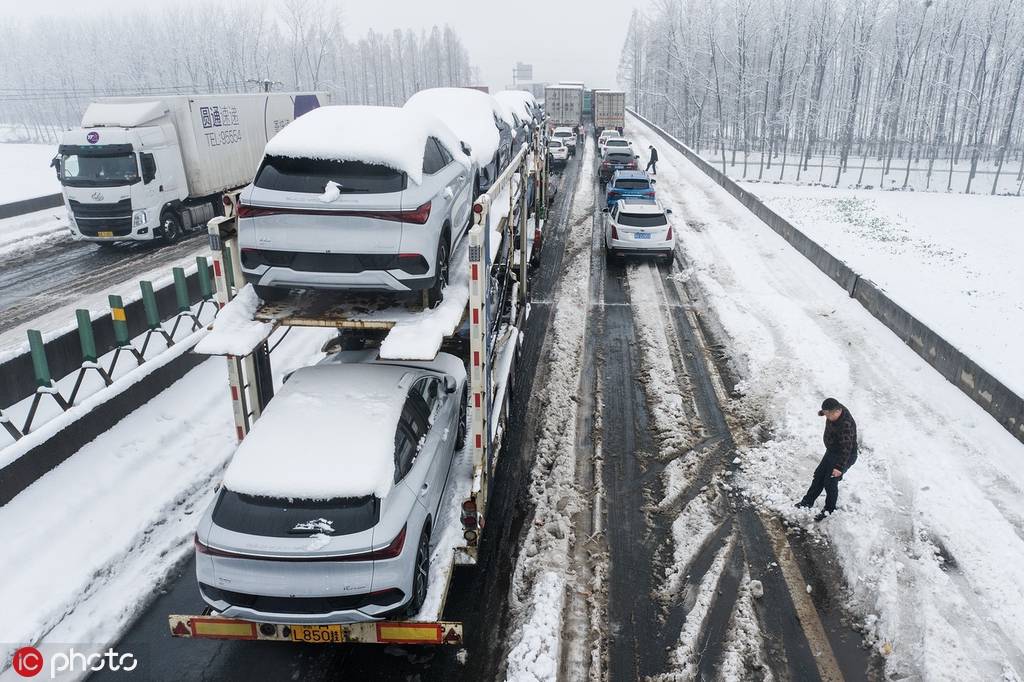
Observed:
{"x":144,"y":168}
{"x":609,"y":110}
{"x":564,"y":105}
{"x":482,"y":320}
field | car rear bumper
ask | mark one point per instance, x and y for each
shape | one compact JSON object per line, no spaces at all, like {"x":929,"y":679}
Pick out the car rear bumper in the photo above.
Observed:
{"x":367,"y":280}
{"x":637,"y":247}
{"x":365,"y":614}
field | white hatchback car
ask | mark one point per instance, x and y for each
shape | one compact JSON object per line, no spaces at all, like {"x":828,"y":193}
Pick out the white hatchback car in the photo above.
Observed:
{"x":567,"y":136}
{"x":617,"y":144}
{"x":558,"y":153}
{"x":638,"y":226}
{"x":604,"y":137}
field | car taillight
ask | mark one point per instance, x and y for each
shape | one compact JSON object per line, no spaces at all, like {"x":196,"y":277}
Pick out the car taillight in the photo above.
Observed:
{"x":419,"y":216}
{"x":209,"y":551}
{"x":246,"y":211}
{"x":469,"y":515}
{"x":631,"y":165}
{"x":389,"y":552}
{"x":649,"y":193}
{"x":613,"y":194}
{"x":669,"y":235}
{"x":615,"y":233}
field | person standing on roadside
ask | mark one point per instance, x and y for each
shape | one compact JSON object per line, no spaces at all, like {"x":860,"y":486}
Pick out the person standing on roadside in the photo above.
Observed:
{"x":652,"y":164}
{"x":840,"y":439}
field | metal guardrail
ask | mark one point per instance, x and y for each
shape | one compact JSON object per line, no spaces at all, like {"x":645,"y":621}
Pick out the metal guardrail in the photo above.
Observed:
{"x":16,"y":208}
{"x":979,"y":385}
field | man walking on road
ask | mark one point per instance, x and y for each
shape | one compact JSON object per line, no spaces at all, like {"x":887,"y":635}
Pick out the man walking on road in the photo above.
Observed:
{"x":840,"y":454}
{"x":652,"y":165}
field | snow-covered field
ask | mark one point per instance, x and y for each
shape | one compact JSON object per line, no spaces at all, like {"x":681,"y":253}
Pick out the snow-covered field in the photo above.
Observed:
{"x":954,"y":261}
{"x":870,"y":173}
{"x":930,"y":529}
{"x":25,"y":171}
{"x":33,"y":230}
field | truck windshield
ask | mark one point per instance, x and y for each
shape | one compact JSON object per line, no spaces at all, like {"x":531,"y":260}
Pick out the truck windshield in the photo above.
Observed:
{"x":312,"y":175}
{"x":98,"y":170}
{"x":282,"y":517}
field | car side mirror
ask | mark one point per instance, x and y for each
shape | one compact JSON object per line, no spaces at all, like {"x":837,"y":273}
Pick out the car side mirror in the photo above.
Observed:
{"x":466,"y":149}
{"x":604,"y":210}
{"x":654,"y":182}
{"x":668,"y":211}
{"x":636,"y":156}
{"x":450,"y":385}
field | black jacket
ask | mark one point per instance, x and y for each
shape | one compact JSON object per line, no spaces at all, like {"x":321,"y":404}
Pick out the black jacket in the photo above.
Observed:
{"x":654,"y":155}
{"x":841,"y":441}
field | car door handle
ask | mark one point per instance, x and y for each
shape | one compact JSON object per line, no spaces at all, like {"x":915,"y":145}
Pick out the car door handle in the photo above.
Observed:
{"x":424,"y":489}
{"x":448,"y":193}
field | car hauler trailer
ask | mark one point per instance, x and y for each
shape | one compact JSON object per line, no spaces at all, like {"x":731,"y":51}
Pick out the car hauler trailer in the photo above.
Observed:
{"x":491,"y":309}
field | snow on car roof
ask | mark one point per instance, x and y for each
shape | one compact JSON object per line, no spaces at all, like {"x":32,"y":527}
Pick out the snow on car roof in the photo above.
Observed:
{"x":387,"y":136}
{"x":469,"y":113}
{"x":634,"y":206}
{"x":329,"y":432}
{"x":517,"y":101}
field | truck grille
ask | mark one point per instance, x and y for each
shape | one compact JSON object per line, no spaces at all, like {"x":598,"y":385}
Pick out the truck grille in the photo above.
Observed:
{"x":94,"y":218}
{"x":307,"y":605}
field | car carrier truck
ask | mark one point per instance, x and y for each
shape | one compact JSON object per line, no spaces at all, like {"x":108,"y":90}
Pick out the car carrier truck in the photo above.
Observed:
{"x":482,"y":320}
{"x":143,"y":168}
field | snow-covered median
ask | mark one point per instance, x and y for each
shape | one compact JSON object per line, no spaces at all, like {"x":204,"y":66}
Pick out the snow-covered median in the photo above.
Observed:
{"x":930,"y":529}
{"x":541,"y":573}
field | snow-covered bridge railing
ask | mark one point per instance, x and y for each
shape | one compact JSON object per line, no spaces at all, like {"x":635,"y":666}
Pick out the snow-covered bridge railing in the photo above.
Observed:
{"x":987,"y":391}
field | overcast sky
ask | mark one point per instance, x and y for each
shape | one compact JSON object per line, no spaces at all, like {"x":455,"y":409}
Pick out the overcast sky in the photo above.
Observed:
{"x":564,"y":39}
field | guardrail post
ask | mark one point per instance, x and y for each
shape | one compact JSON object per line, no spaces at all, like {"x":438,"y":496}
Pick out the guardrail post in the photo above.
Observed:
{"x":119,"y":319}
{"x":44,"y":382}
{"x":184,"y":305}
{"x":90,"y":358}
{"x":205,"y":285}
{"x":152,"y":316}
{"x":9,"y":426}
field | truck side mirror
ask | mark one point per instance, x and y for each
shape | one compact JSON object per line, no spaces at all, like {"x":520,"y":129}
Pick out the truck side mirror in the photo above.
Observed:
{"x":55,"y":165}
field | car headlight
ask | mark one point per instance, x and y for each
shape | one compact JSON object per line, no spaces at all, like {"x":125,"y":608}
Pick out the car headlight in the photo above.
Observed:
{"x":139,"y":218}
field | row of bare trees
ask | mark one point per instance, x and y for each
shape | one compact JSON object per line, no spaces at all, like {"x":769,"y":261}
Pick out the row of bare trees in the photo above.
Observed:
{"x":915,"y":88}
{"x":53,"y":67}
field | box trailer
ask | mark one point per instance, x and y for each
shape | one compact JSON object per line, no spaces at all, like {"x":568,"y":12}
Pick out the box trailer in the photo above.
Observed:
{"x":492,"y":311}
{"x":563,"y":105}
{"x":609,"y":110}
{"x":143,"y":168}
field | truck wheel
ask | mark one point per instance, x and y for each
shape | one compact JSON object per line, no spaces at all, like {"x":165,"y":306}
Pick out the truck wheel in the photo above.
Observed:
{"x":171,"y":225}
{"x":420,"y":575}
{"x":270,"y":294}
{"x":435,"y":294}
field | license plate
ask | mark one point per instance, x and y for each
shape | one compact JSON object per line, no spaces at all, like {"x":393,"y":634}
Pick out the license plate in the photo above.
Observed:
{"x":641,"y":235}
{"x":318,"y":634}
{"x":105,"y":233}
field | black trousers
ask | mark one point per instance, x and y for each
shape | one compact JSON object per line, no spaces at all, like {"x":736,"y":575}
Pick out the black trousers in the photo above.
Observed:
{"x":823,"y":480}
{"x":654,"y":165}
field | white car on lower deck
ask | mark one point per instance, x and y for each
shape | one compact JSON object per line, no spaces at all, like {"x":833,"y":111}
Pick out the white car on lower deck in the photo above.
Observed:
{"x":567,"y":136}
{"x":638,"y":226}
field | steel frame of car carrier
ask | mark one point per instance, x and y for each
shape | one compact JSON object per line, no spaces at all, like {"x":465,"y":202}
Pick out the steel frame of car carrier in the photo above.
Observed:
{"x":492,"y":325}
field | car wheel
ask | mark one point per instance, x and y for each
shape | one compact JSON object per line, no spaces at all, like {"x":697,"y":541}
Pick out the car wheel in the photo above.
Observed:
{"x":609,"y":255}
{"x":171,"y":225}
{"x":420,"y":576}
{"x":463,"y":431}
{"x":435,"y":294}
{"x":270,"y":294}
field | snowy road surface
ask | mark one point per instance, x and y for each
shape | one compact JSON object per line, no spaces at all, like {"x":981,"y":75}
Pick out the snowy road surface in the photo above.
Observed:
{"x":930,"y":533}
{"x":951,"y":260}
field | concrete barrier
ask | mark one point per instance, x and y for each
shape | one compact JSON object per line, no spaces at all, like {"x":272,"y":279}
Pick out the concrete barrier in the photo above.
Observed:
{"x":991,"y":394}
{"x":16,"y":208}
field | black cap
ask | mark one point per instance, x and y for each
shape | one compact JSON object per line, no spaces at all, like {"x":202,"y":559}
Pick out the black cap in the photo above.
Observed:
{"x":828,"y":405}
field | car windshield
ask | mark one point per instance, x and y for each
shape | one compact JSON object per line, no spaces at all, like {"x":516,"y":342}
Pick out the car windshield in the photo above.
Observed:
{"x":563,"y":133}
{"x":617,"y":142}
{"x":95,"y":170}
{"x":281,"y":517}
{"x":631,"y":184}
{"x":555,"y":143}
{"x":311,"y":176}
{"x":642,"y":219}
{"x":620,"y":158}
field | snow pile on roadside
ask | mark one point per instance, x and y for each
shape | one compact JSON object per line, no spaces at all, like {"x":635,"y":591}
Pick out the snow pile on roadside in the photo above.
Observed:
{"x":967,"y":248}
{"x":388,"y":136}
{"x":929,"y":534}
{"x":235,"y":332}
{"x":33,"y":230}
{"x":541,"y":572}
{"x":25,"y":172}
